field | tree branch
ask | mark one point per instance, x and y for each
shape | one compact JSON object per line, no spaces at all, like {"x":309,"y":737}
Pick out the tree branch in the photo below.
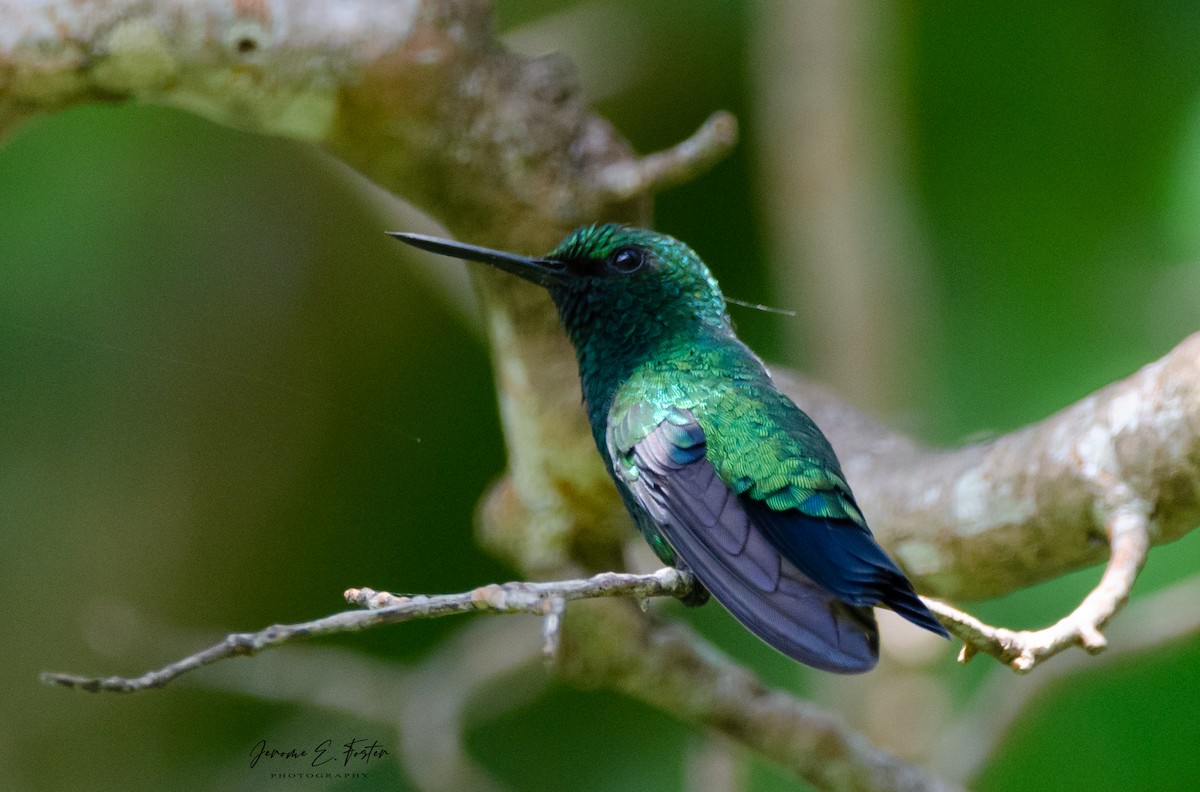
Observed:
{"x":993,"y":517}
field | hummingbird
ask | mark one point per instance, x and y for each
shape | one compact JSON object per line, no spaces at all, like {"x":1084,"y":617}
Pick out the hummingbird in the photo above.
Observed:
{"x":723,"y":474}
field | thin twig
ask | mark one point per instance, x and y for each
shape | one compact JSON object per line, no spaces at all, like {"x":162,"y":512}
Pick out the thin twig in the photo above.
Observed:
{"x":681,"y":163}
{"x":384,"y":608}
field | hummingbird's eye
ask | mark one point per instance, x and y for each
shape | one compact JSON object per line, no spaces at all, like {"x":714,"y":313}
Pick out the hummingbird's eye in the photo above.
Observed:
{"x":627,"y":260}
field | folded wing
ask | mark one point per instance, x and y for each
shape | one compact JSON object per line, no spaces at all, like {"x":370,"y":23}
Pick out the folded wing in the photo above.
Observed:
{"x":719,"y":535}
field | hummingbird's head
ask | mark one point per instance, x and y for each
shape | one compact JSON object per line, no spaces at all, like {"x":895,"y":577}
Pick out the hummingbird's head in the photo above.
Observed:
{"x":611,"y":281}
{"x":619,"y":279}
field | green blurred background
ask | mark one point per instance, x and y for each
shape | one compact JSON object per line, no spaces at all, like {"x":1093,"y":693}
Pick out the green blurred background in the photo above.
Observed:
{"x":225,"y":396}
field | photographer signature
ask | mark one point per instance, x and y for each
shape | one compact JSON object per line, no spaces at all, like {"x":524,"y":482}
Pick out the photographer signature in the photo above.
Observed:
{"x":356,"y":750}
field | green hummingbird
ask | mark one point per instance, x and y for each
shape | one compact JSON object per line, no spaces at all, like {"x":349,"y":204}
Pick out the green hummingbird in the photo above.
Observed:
{"x":723,"y":474}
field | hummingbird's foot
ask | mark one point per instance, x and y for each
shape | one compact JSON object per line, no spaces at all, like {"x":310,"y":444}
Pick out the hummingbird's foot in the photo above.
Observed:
{"x":698,"y":595}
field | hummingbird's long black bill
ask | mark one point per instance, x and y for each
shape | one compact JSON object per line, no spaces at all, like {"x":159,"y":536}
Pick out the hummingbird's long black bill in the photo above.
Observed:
{"x":544,"y":272}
